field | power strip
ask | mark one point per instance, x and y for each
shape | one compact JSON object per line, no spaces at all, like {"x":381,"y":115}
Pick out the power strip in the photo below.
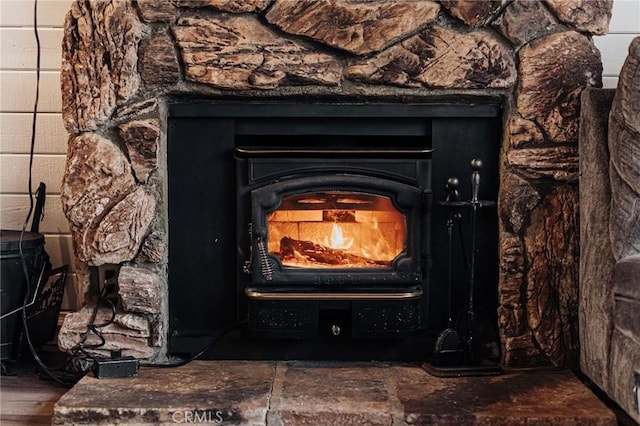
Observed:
{"x":113,"y":368}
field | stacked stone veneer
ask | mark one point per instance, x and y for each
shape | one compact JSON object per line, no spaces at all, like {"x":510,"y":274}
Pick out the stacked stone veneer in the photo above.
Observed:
{"x":123,"y":61}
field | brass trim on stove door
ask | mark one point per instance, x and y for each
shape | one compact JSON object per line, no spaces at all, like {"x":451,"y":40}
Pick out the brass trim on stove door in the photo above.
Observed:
{"x":407,"y":294}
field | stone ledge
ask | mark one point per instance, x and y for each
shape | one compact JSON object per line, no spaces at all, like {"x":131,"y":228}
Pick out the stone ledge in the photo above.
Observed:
{"x":267,"y":392}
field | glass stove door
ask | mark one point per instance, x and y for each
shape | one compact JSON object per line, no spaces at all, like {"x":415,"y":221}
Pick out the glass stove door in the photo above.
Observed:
{"x":330,"y":229}
{"x":336,"y":229}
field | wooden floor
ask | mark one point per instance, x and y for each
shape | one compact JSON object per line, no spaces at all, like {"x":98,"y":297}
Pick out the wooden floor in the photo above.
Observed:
{"x":25,"y":398}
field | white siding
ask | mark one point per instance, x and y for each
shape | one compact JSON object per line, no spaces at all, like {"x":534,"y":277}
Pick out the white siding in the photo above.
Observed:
{"x":614,"y":46}
{"x":17,"y":99}
{"x":19,"y":48}
{"x":19,"y":91}
{"x":51,"y":136}
{"x":19,"y":13}
{"x":17,"y":96}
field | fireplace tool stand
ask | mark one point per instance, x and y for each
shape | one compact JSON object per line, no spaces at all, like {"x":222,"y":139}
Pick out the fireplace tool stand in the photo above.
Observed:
{"x":449,"y":347}
{"x":452,"y":358}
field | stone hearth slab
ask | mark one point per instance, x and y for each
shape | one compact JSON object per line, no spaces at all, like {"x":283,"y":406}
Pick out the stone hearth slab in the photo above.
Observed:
{"x":273,"y":393}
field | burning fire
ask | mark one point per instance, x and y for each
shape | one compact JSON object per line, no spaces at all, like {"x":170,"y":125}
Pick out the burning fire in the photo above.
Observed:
{"x":337,"y":240}
{"x":366,"y":245}
{"x":366,"y":233}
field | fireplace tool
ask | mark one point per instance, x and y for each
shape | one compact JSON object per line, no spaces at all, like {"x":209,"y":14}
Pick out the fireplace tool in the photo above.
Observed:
{"x":469,"y":364}
{"x":477,"y":365}
{"x":448,"y":349}
{"x":476,"y":165}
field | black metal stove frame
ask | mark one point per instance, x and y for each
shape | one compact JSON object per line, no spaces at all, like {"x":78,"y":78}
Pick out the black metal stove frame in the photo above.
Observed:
{"x":377,"y":302}
{"x":221,"y":153}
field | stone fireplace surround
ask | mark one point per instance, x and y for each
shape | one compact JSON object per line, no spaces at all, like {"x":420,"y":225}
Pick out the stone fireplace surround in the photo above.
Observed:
{"x":124,"y":61}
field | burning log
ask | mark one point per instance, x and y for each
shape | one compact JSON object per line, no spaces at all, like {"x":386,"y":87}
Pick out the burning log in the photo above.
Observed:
{"x":317,"y":253}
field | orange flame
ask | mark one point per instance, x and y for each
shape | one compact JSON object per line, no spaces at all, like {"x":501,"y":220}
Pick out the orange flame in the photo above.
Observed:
{"x":337,"y":240}
{"x":321,"y":238}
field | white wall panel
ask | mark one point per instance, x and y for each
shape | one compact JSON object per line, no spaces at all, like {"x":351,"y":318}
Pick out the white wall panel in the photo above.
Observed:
{"x":19,"y":13}
{"x":614,"y":49}
{"x":625,"y":17}
{"x":614,"y":46}
{"x":14,"y":209}
{"x":609,"y":82}
{"x":15,"y":133}
{"x":19,"y":91}
{"x":14,"y":173}
{"x":17,"y":97}
{"x":19,"y":48}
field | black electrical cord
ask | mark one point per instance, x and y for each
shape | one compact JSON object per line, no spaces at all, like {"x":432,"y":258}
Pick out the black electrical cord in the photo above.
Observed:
{"x":94,"y":328}
{"x":25,"y":267}
{"x":47,"y":370}
{"x":76,"y":366}
{"x":33,"y":132}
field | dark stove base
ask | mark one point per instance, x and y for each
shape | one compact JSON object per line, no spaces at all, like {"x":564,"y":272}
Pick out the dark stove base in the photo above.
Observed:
{"x":242,"y":345}
{"x":339,"y":318}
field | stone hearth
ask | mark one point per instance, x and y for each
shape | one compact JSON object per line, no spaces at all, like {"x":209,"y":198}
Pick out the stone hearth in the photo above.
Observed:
{"x":307,"y":393}
{"x":124,"y":61}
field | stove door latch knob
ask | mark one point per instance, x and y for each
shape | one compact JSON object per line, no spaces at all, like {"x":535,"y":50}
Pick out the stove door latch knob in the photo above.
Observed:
{"x":335,"y":329}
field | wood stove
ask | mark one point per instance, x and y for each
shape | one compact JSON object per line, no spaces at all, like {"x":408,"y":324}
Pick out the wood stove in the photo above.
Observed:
{"x":338,"y":232}
{"x":315,"y":223}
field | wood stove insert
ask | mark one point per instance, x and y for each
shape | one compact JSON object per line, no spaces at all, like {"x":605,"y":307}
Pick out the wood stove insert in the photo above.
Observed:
{"x":314,"y":222}
{"x":339,"y":228}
